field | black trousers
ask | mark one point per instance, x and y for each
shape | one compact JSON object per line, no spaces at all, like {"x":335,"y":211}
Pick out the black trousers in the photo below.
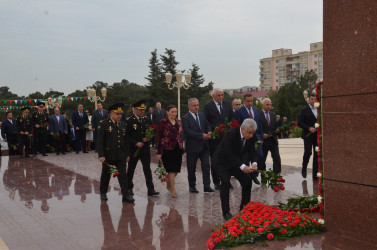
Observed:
{"x":309,"y":146}
{"x":81,"y":140}
{"x":12,"y":143}
{"x":192,"y":158}
{"x":60,"y":143}
{"x":122,"y":178}
{"x":145,"y":159}
{"x":95,"y":139}
{"x":271,"y":145}
{"x":212,"y":148}
{"x":23,"y":140}
{"x":245,"y":181}
{"x":40,"y":143}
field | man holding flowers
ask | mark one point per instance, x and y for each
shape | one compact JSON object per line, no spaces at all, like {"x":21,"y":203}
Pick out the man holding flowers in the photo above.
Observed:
{"x":229,"y":161}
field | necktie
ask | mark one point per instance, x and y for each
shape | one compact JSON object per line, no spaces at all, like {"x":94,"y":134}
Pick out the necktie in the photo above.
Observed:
{"x":100,"y":114}
{"x":197,"y":120}
{"x":251,"y":114}
{"x":268,"y":118}
{"x":243,"y":142}
{"x":221,"y":108}
{"x":73,"y":133}
{"x":81,"y":114}
{"x":159,"y":111}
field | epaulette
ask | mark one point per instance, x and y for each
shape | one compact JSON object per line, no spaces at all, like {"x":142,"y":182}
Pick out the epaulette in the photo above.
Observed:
{"x":101,"y":121}
{"x":128,"y":118}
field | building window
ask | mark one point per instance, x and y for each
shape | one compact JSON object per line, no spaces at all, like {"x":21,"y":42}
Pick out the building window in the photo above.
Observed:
{"x":320,"y":64}
{"x":315,"y":63}
{"x":320,"y":55}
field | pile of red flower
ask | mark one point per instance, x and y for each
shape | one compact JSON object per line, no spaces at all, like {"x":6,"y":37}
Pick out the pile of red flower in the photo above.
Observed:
{"x":221,"y":129}
{"x":259,"y":222}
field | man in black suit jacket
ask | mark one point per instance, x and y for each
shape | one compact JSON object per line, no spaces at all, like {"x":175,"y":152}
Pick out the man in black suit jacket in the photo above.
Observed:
{"x":79,"y":119}
{"x":97,"y":116}
{"x":306,"y":121}
{"x":217,"y":111}
{"x":197,"y":132}
{"x":229,"y":160}
{"x":270,"y":130}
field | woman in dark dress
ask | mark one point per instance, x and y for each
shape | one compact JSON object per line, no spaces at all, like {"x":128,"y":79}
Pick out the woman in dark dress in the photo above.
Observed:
{"x":170,"y":146}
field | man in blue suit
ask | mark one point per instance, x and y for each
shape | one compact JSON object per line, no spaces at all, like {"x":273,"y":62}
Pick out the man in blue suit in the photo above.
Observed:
{"x":197,"y":132}
{"x":245,"y":112}
{"x":9,"y":133}
{"x":59,"y":129}
{"x":79,"y":120}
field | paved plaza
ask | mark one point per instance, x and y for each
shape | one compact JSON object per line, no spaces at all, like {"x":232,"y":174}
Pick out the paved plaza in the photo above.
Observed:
{"x":53,"y":203}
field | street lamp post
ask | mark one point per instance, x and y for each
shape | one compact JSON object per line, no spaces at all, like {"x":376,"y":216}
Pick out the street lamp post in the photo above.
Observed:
{"x":92,"y":95}
{"x":178,"y":84}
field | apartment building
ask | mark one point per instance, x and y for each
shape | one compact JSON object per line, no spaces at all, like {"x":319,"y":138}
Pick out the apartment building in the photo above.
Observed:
{"x":284,"y":67}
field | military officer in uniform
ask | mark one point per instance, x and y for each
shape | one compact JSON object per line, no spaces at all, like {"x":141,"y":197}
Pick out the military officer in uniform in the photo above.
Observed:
{"x":40,"y":123}
{"x":137,"y":123}
{"x":113,"y":149}
{"x":24,"y":127}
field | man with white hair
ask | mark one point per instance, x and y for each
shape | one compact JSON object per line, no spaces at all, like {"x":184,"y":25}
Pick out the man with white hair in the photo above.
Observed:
{"x":229,"y":161}
{"x":270,"y":130}
{"x":236,"y":104}
{"x":217,"y":111}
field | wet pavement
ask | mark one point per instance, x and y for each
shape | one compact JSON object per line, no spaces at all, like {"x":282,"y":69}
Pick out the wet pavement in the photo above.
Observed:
{"x":53,"y":203}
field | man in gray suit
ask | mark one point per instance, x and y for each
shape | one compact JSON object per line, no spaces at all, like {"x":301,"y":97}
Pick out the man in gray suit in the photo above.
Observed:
{"x":97,"y":116}
{"x":158,"y":114}
{"x":197,"y":132}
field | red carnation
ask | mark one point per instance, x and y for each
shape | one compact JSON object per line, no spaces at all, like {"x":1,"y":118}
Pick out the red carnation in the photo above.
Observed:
{"x":283,"y":231}
{"x":276,"y":188}
{"x":282,"y":187}
{"x":154,"y":127}
{"x":270,"y":236}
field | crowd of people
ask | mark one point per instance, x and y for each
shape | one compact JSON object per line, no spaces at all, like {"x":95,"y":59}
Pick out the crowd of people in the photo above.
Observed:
{"x":121,"y":141}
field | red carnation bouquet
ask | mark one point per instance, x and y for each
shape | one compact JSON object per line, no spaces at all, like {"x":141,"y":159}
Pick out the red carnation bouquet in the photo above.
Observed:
{"x":161,"y":172}
{"x":150,"y":132}
{"x":221,"y":129}
{"x":272,"y":180}
{"x":112,"y":170}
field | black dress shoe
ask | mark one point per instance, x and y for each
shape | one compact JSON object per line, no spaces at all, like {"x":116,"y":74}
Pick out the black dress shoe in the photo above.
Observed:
{"x":63,"y":153}
{"x":217,"y":186}
{"x":130,"y":192}
{"x":227,"y":216}
{"x":45,"y":154}
{"x":255,"y":180}
{"x":303,"y":172}
{"x":128,"y":199}
{"x":193,"y":190}
{"x":104,"y":197}
{"x":85,"y":152}
{"x":35,"y":155}
{"x":208,"y":190}
{"x":57,"y":153}
{"x":77,"y":152}
{"x":153,"y":193}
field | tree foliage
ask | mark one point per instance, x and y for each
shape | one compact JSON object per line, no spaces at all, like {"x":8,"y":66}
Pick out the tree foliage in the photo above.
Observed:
{"x":289,"y":100}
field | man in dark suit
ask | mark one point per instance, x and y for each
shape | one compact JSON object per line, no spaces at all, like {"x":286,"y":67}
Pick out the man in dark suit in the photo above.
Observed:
{"x":137,"y":123}
{"x":306,"y":121}
{"x":113,"y":148}
{"x":24,"y":127}
{"x":229,"y":161}
{"x":79,"y":120}
{"x":97,"y":116}
{"x":9,"y":133}
{"x":58,"y":128}
{"x":151,"y":116}
{"x":270,"y":130}
{"x":197,"y":132}
{"x":40,"y":123}
{"x":236,"y":104}
{"x":158,"y":114}
{"x":217,"y":111}
{"x":245,"y":112}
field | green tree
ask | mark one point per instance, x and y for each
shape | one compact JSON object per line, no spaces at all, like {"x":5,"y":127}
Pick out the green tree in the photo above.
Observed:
{"x":156,"y":80}
{"x":5,"y":94}
{"x":289,"y":100}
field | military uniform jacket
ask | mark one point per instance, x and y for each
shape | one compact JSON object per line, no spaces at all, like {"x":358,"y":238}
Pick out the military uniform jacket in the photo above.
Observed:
{"x":41,"y":120}
{"x":112,"y":141}
{"x":24,"y":124}
{"x":136,"y":132}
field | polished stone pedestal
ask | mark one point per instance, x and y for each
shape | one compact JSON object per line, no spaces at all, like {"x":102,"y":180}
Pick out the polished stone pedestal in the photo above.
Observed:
{"x":350,"y":118}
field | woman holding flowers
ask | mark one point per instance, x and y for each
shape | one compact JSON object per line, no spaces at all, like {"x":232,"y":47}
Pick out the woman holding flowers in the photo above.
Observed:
{"x":170,"y":146}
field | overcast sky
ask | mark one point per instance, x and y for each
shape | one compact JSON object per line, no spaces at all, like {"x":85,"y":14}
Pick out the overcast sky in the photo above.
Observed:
{"x":70,"y":44}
